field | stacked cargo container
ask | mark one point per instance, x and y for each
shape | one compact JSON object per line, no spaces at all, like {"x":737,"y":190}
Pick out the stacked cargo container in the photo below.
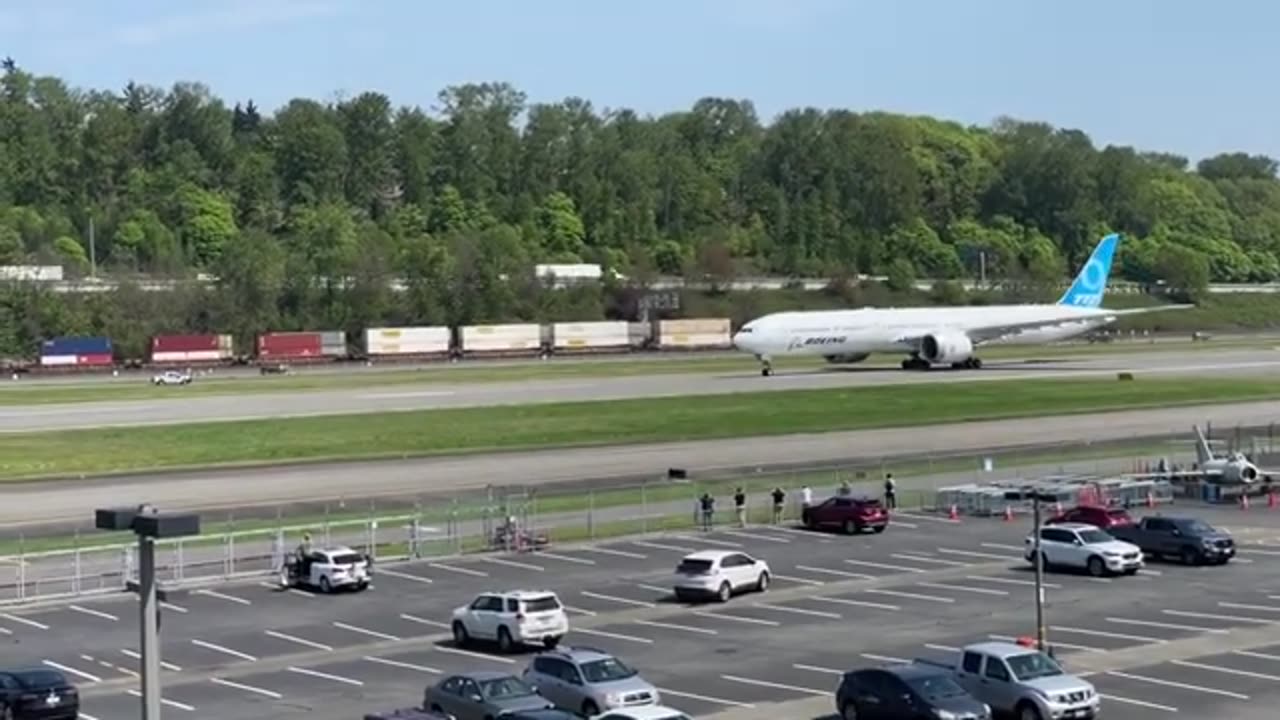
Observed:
{"x":302,"y":346}
{"x":591,"y":337}
{"x":407,"y":342}
{"x":76,"y":352}
{"x":501,"y":339}
{"x":191,"y":349}
{"x":705,"y":334}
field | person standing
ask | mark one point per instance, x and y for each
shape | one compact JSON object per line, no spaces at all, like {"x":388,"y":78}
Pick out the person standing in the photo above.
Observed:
{"x":740,"y":507}
{"x":890,"y":492}
{"x":806,"y":497}
{"x":708,"y":510}
{"x":779,"y":502}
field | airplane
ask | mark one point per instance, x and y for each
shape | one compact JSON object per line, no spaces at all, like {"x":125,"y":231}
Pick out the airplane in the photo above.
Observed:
{"x":938,"y":335}
{"x":1234,"y":468}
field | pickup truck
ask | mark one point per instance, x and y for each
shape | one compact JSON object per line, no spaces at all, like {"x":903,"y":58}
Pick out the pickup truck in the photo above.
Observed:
{"x":1189,"y":539}
{"x":1022,"y":682}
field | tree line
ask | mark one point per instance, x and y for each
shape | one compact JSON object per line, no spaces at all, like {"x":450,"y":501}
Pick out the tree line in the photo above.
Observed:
{"x":304,"y":215}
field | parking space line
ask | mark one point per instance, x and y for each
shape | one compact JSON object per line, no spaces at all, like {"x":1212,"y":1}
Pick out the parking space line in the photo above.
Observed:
{"x":615,"y":636}
{"x":614,"y":598}
{"x":963,"y":588}
{"x":324,"y":675}
{"x":913,"y":516}
{"x":5,"y":631}
{"x":1255,"y":654}
{"x":459,"y":570}
{"x":1140,"y":703}
{"x":936,"y":561}
{"x":941,"y":648}
{"x":1227,"y":670}
{"x":1002,"y":546}
{"x":884,"y":658}
{"x":94,"y":613}
{"x":1171,"y":683}
{"x":480,"y":656}
{"x":364,"y":631}
{"x":223,"y":650}
{"x":674,"y":626}
{"x":837,"y":573}
{"x":1168,"y":626}
{"x":298,"y":640}
{"x":24,"y":621}
{"x":815,"y":668}
{"x":757,"y":536}
{"x":1253,"y":551}
{"x":174,"y":608}
{"x":166,"y":701}
{"x":1103,"y":633}
{"x":739,"y":618}
{"x":857,"y":603}
{"x":802,"y":581}
{"x":138,"y":656}
{"x":1215,"y":616}
{"x":617,"y":553}
{"x":654,"y":588}
{"x":799,"y":611}
{"x":405,"y":576}
{"x":85,"y":716}
{"x":565,"y":558}
{"x":578,"y":610}
{"x":1247,"y":606}
{"x":914,"y":596}
{"x":221,"y":596}
{"x":73,"y":671}
{"x":704,"y":698}
{"x":774,"y":685}
{"x":1012,"y":581}
{"x":709,"y":541}
{"x":1069,"y":646}
{"x":900,"y":568}
{"x":405,"y":665}
{"x":423,"y":621}
{"x":246,"y":688}
{"x":976,"y":554}
{"x":513,"y":563}
{"x":660,"y":546}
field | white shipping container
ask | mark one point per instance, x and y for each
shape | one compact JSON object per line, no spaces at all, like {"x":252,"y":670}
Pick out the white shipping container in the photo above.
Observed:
{"x":699,"y":333}
{"x":492,"y":338}
{"x":189,"y":356}
{"x":59,"y":359}
{"x":407,"y":340}
{"x":591,"y":335}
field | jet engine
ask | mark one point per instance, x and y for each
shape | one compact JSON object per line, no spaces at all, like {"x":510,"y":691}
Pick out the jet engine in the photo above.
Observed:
{"x":848,"y":358}
{"x":946,"y":347}
{"x":1239,"y":471}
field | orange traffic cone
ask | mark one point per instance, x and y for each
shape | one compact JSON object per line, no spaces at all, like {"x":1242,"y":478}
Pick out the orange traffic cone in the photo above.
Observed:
{"x":1008,"y":513}
{"x":953,"y":514}
{"x":1271,"y":500}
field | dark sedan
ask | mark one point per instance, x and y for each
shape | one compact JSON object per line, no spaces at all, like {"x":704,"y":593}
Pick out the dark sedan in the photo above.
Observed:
{"x":906,"y":692}
{"x":37,"y":694}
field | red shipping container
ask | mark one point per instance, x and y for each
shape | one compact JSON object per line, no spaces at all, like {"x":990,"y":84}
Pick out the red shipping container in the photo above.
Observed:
{"x":289,"y":345}
{"x":94,"y":360}
{"x":184,"y":343}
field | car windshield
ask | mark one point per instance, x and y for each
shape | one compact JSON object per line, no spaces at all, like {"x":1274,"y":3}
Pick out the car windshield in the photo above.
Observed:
{"x":606,"y":670}
{"x":504,"y":687}
{"x":1195,"y":527}
{"x":542,"y":604}
{"x":40,"y":679}
{"x":1094,"y":536}
{"x":1032,"y":665}
{"x":694,"y":567}
{"x":346,"y":559}
{"x":935,"y":686}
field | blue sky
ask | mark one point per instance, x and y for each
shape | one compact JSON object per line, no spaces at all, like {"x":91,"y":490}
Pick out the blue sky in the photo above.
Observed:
{"x":1186,"y":76}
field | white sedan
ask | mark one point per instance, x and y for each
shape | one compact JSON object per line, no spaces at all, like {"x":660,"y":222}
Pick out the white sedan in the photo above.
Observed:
{"x":171,"y":377}
{"x":720,"y":574}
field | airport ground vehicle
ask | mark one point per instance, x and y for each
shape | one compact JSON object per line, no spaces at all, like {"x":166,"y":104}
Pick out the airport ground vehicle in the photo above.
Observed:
{"x":719,"y":574}
{"x":648,"y":712}
{"x":515,"y":617}
{"x":171,"y":377}
{"x":1103,"y":518}
{"x":330,"y":569}
{"x":1189,"y":539}
{"x":586,"y":680}
{"x":1024,"y":682}
{"x":482,"y":695}
{"x":1084,"y":546}
{"x":914,"y":691}
{"x":37,"y":693}
{"x":849,"y":514}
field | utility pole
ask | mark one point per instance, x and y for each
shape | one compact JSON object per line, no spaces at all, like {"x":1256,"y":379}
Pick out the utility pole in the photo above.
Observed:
{"x":93,"y":252}
{"x":1039,"y":559}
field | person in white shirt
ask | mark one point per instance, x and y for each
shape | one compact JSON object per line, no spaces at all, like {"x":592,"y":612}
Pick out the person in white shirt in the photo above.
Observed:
{"x":806,"y":496}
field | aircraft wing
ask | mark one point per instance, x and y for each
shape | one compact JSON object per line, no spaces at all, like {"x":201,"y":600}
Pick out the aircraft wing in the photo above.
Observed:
{"x":987,"y":333}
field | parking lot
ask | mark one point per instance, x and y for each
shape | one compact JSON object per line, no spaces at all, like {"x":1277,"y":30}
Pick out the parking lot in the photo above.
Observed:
{"x":1171,"y":640}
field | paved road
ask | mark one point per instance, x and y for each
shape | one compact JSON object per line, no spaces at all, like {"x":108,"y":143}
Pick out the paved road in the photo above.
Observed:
{"x":1172,"y":642}
{"x":439,"y":395}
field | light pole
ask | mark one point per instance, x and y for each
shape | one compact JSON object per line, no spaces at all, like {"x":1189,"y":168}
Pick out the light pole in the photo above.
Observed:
{"x":149,"y":525}
{"x":1035,"y":511}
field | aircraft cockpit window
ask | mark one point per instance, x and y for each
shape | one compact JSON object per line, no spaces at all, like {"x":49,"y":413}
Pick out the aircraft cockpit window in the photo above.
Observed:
{"x":745,"y":330}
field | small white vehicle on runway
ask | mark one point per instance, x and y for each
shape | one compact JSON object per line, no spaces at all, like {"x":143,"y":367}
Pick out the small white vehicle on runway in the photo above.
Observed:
{"x":327,"y":570}
{"x":171,"y":377}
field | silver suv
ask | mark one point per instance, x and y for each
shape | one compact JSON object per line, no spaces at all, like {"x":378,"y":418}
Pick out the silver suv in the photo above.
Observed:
{"x":588,"y":681}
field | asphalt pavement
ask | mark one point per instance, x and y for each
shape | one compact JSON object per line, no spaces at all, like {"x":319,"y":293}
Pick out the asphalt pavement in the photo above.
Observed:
{"x":1172,"y":641}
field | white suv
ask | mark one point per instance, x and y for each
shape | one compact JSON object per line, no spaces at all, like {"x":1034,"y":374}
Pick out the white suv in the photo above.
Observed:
{"x":719,"y":573}
{"x":516,"y":617}
{"x":1084,"y":546}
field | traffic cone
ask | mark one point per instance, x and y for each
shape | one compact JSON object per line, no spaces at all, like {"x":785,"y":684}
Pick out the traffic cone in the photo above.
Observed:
{"x":953,"y":514}
{"x":1244,"y":502}
{"x":1271,"y":500}
{"x":1008,"y":514}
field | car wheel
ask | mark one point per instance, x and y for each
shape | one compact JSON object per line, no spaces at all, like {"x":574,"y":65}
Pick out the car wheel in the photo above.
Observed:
{"x":1190,"y":556}
{"x":850,"y":527}
{"x":590,"y":709}
{"x":1044,"y":561}
{"x":763,"y":583}
{"x":460,"y":635}
{"x":849,"y":711}
{"x":1096,"y":568}
{"x":725,"y":592}
{"x":551,"y":642}
{"x":325,"y":587}
{"x":879,"y":529}
{"x":505,"y":643}
{"x":1027,"y":711}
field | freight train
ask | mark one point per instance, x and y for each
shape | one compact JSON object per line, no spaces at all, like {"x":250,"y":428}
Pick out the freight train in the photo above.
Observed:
{"x":387,"y":344}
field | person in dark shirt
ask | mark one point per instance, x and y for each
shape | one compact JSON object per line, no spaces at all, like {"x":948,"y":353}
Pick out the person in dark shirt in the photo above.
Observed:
{"x":708,"y":505}
{"x":740,"y":507}
{"x":779,"y":502}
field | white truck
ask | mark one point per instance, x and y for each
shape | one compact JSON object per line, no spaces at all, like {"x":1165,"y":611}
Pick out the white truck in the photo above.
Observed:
{"x":1022,"y":682}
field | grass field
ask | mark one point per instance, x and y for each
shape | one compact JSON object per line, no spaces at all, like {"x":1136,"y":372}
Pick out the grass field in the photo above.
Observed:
{"x":137,"y":387}
{"x":593,"y":423}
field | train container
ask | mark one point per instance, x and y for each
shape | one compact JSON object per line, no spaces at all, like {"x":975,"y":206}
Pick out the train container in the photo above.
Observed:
{"x":591,"y":337}
{"x":77,"y":361}
{"x":501,"y":339}
{"x":700,"y":334}
{"x":289,"y":346}
{"x":200,"y":349}
{"x":76,"y":352}
{"x":333,"y":343}
{"x":407,"y":341}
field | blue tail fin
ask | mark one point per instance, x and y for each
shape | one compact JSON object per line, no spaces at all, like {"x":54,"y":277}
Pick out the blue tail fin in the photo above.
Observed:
{"x":1091,"y":283}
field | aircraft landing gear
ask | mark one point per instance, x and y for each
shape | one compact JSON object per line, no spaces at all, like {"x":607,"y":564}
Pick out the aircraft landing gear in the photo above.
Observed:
{"x":915,"y":362}
{"x":972,"y":363}
{"x":766,"y":368}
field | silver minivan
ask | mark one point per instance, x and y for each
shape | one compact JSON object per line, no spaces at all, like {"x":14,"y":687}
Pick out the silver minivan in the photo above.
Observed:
{"x":588,"y":681}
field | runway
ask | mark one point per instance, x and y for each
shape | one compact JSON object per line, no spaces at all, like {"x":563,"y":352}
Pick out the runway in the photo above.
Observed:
{"x":225,"y":408}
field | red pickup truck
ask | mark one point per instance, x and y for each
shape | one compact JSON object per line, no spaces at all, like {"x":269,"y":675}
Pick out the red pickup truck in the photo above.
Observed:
{"x":849,"y":514}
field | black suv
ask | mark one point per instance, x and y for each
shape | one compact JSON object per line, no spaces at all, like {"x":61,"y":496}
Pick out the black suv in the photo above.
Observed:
{"x":37,"y":694}
{"x":906,"y":692}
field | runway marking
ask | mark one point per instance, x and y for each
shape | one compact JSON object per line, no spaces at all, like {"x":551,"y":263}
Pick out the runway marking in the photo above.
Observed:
{"x":914,"y":516}
{"x":815,"y":668}
{"x":406,"y":576}
{"x":705,"y":698}
{"x":246,"y":688}
{"x":709,"y":541}
{"x":1214,"y":616}
{"x":325,"y":675}
{"x":739,"y":618}
{"x":459,"y":570}
{"x":1247,"y":606}
{"x":405,"y":665}
{"x":1140,"y":703}
{"x":884,"y":658}
{"x":798,"y":611}
{"x":1227,"y":670}
{"x":941,"y":648}
{"x":857,"y":603}
{"x":1168,"y":626}
{"x":619,"y":553}
{"x":775,"y":685}
{"x":223,"y":650}
{"x":963,"y":588}
{"x":1011,"y":581}
{"x":837,"y":573}
{"x":1170,"y":683}
{"x":674,"y":626}
{"x":660,"y":546}
{"x":976,"y":554}
{"x":580,"y":611}
{"x":1103,"y":633}
{"x":94,"y":613}
{"x":654,"y":588}
{"x":615,"y":636}
{"x":424,"y":621}
{"x":1258,"y":655}
{"x":757,"y":536}
{"x":514,"y":564}
{"x":480,"y":656}
{"x":937,"y":561}
{"x":802,"y":581}
{"x":364,"y":631}
{"x":73,"y":671}
{"x":566,"y":558}
{"x":900,"y":568}
{"x":624,"y":601}
{"x":138,"y":656}
{"x":221,"y":596}
{"x":914,"y":596}
{"x":298,"y":640}
{"x":175,"y":608}
{"x":166,"y":701}
{"x":24,"y":621}
{"x":1069,"y":646}
{"x":1002,"y":546}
